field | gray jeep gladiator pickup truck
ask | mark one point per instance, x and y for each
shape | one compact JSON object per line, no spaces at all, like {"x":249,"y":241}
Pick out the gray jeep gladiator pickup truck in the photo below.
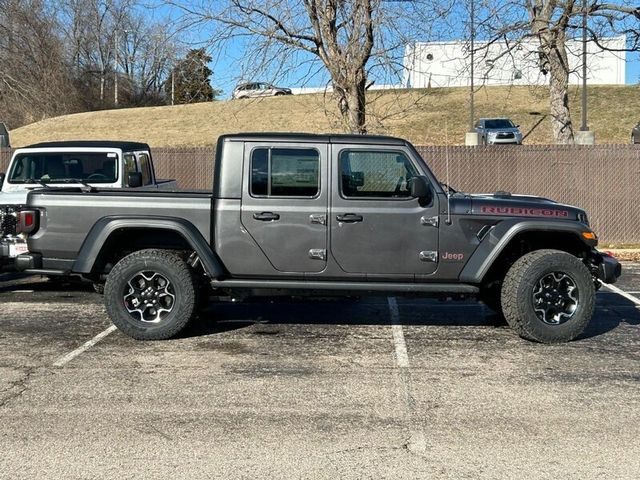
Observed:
{"x":299,"y":214}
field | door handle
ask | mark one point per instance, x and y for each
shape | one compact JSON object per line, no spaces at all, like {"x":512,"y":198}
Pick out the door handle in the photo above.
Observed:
{"x":349,"y":218}
{"x":266,"y":216}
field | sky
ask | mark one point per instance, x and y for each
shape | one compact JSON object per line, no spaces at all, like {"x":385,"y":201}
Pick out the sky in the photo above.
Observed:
{"x":228,"y":64}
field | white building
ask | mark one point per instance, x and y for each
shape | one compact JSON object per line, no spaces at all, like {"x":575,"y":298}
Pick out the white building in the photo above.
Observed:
{"x":447,"y":64}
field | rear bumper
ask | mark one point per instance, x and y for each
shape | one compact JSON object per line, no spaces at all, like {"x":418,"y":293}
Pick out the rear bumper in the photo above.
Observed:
{"x":28,"y":261}
{"x":4,"y":253}
{"x":7,"y":255}
{"x":609,"y":269}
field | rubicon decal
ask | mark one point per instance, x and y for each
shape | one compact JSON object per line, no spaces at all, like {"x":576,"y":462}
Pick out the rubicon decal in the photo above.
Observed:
{"x":525,"y":212}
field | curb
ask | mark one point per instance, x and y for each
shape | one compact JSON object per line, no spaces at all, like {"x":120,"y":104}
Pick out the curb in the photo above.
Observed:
{"x":629,"y":254}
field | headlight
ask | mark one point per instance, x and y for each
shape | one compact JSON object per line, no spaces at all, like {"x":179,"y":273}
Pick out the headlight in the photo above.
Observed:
{"x":492,"y":134}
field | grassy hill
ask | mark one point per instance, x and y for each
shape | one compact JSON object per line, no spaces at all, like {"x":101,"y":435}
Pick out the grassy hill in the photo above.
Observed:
{"x":426,"y":117}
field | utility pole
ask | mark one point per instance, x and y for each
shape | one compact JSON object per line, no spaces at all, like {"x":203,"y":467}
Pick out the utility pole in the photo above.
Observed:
{"x":173,"y":86}
{"x":584,"y":136}
{"x":115,"y":68}
{"x":471,"y":137}
{"x":473,"y":39}
{"x":584,"y":126}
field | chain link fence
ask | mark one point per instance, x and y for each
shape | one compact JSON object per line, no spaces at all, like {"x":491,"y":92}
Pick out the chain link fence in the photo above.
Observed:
{"x":602,"y":179}
{"x":5,"y":156}
{"x":192,"y":168}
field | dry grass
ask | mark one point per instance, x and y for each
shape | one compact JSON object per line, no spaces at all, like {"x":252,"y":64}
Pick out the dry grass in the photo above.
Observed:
{"x":425,"y":117}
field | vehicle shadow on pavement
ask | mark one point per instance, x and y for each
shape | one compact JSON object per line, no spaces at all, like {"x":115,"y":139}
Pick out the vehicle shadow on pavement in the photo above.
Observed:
{"x":43,"y":285}
{"x":267,"y":314}
{"x":611,"y":311}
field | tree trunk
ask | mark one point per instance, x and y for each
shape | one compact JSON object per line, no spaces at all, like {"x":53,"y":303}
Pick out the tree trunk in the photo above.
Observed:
{"x":352,"y":103}
{"x":559,"y":95}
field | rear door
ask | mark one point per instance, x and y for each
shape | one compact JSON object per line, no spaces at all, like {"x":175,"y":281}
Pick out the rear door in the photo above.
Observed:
{"x":377,"y":228}
{"x":284,"y":204}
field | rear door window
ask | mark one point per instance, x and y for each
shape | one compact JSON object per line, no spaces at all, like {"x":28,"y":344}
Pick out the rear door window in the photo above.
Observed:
{"x":145,"y":168}
{"x":285,"y":172}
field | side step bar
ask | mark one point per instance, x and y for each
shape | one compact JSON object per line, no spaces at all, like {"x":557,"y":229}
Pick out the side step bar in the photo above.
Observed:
{"x":432,"y":288}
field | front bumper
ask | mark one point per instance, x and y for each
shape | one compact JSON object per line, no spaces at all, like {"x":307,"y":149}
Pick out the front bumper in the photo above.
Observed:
{"x":503,"y":141}
{"x":608,"y":268}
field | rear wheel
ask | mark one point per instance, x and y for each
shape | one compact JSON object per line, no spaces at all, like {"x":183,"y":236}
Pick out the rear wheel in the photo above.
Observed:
{"x":151,"y":294}
{"x":548,"y":296}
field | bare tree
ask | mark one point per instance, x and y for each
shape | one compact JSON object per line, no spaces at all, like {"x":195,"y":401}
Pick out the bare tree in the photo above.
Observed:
{"x":146,"y":56}
{"x":114,"y":38}
{"x":92,"y":28}
{"x":551,"y":23}
{"x":35,"y":82}
{"x":345,"y":39}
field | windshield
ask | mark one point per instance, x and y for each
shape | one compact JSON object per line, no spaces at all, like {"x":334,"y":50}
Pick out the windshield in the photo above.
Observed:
{"x":498,"y":123}
{"x":61,"y":167}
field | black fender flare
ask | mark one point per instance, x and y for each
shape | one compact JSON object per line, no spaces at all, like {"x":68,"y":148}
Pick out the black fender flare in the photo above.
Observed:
{"x":502,"y":233}
{"x":103,"y":228}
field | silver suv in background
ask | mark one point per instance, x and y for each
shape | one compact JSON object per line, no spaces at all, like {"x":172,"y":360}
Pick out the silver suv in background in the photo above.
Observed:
{"x":635,"y":134}
{"x":494,"y":131}
{"x":258,"y":89}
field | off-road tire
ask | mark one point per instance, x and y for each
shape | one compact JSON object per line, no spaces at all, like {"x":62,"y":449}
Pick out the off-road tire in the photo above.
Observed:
{"x":170,"y":265}
{"x":518,"y":302}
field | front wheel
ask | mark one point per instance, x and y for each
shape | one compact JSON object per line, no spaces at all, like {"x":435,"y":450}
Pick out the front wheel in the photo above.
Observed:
{"x":151,"y":294}
{"x":548,"y":296}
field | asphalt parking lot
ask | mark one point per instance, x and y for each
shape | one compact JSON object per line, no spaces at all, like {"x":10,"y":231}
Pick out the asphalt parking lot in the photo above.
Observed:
{"x":380,"y":388}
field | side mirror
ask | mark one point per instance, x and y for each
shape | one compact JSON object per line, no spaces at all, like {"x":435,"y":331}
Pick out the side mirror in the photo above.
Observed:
{"x":134,"y":179}
{"x":419,"y":188}
{"x":2,"y":175}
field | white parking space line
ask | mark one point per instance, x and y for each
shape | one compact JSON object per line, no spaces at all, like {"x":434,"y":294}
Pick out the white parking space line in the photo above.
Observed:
{"x":402,"y":358}
{"x":71,"y":355}
{"x":622,"y":293}
{"x":417,"y":442}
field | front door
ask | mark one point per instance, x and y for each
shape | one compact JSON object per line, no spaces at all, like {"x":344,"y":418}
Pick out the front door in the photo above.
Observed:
{"x":377,"y":228}
{"x":284,"y":204}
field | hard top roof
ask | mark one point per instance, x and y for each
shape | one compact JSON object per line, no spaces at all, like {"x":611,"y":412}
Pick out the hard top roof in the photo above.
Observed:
{"x":314,"y":137}
{"x":122,"y":145}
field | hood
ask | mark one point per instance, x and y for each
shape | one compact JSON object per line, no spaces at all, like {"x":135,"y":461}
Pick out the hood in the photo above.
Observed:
{"x":503,"y":130}
{"x":504,"y":204}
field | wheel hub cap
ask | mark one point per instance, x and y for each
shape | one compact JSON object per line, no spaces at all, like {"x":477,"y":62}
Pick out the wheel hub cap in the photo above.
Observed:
{"x":555,"y":298}
{"x":149,"y":297}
